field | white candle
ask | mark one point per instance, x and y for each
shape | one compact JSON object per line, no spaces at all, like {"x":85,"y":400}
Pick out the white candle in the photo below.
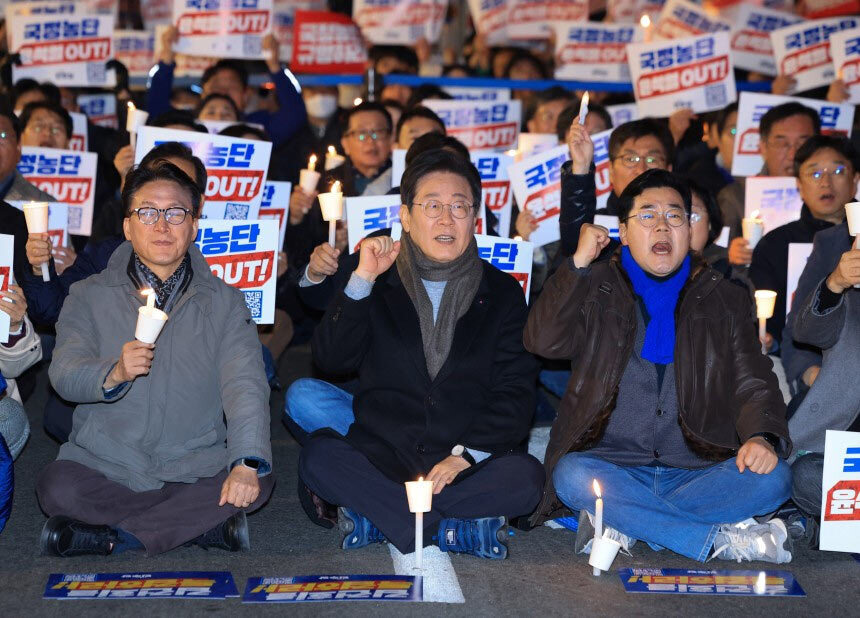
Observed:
{"x":645,"y":22}
{"x":332,"y":159}
{"x":598,"y":521}
{"x":135,"y":119}
{"x":36,"y":216}
{"x":331,"y":204}
{"x":752,"y":228}
{"x":764,"y":304}
{"x":583,"y":108}
{"x":150,"y":297}
{"x":419,"y":494}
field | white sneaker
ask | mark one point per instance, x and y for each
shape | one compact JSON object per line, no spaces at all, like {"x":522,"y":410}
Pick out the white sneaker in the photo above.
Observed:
{"x":765,"y":542}
{"x":585,"y":535}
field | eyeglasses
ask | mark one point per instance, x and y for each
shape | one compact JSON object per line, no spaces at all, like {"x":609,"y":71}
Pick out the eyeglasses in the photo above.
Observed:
{"x":651,"y":161}
{"x":781,"y":144}
{"x":5,"y":135}
{"x":39,"y":128}
{"x":818,"y":175}
{"x":374,"y":135}
{"x":433,"y":209}
{"x":149,"y":215}
{"x":648,"y":218}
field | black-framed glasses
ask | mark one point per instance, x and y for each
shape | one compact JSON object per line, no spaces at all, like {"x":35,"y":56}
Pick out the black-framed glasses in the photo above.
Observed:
{"x":375,"y":135}
{"x":675,"y":217}
{"x":818,"y":175}
{"x":149,"y":215}
{"x":433,"y":208}
{"x":632,"y":160}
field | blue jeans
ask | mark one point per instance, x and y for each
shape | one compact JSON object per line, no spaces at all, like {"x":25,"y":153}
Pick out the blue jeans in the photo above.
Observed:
{"x":555,"y":381}
{"x":314,"y":404}
{"x":670,"y":507}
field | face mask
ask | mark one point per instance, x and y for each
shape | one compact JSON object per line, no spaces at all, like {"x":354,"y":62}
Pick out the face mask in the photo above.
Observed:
{"x":321,"y":105}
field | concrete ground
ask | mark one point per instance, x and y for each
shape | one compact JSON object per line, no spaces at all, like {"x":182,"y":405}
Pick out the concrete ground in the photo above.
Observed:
{"x":541,"y":577}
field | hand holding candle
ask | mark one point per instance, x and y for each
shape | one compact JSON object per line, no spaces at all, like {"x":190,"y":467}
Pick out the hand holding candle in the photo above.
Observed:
{"x":764,"y":303}
{"x":309,"y":177}
{"x":150,"y":320}
{"x":331,"y":204}
{"x":419,"y":494}
{"x":36,"y":215}
{"x":135,"y":119}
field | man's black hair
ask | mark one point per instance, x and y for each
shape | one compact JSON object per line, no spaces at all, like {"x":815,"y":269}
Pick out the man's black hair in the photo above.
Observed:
{"x":722,"y":117}
{"x":636,"y":129}
{"x":140,"y":176}
{"x":652,"y":179}
{"x":9,"y":115}
{"x":715,"y":217}
{"x":226,"y":65}
{"x":176,"y":150}
{"x":419,"y":111}
{"x":367,"y":106}
{"x":424,"y":92}
{"x":54,"y":108}
{"x":521,"y":55}
{"x":439,"y":160}
{"x":842,"y":145}
{"x":435,"y":141}
{"x":218,"y":97}
{"x":570,"y":113}
{"x":242,"y":130}
{"x":778,"y":113}
{"x":404,"y":54}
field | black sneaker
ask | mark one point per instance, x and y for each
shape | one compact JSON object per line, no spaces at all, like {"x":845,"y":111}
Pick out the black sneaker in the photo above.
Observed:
{"x":230,"y":535}
{"x":65,"y":537}
{"x":318,"y":510}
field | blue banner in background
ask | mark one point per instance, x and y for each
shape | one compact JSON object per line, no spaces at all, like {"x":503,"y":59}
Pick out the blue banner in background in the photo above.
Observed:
{"x":316,"y":588}
{"x":155,"y":585}
{"x":719,"y":583}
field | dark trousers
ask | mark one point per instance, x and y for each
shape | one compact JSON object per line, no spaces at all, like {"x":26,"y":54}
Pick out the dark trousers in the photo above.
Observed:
{"x":161,"y":519}
{"x":511,"y":485}
{"x":806,"y":483}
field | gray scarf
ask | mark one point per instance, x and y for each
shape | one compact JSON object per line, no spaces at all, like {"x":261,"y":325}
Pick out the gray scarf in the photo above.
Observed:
{"x":462,"y":276}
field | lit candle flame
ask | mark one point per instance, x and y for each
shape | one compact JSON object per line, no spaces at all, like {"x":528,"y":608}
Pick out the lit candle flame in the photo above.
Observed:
{"x":596,"y":486}
{"x":357,"y":101}
{"x":131,"y":107}
{"x":645,"y":21}
{"x":312,"y":163}
{"x":585,"y":99}
{"x":336,"y":187}
{"x":332,"y":151}
{"x":420,"y":479}
{"x":755,"y":214}
{"x":149,"y":293}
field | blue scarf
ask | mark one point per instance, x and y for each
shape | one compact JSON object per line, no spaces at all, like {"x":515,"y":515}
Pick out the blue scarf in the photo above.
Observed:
{"x":660,"y":298}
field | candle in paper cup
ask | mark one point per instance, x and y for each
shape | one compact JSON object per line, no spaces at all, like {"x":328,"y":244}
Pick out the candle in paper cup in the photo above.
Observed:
{"x":583,"y":108}
{"x":309,"y":177}
{"x":419,"y":495}
{"x":150,"y":321}
{"x":332,"y":159}
{"x":603,"y":552}
{"x":764,"y":303}
{"x":852,"y":214}
{"x":753,"y":229}
{"x":36,"y":215}
{"x":331,"y":204}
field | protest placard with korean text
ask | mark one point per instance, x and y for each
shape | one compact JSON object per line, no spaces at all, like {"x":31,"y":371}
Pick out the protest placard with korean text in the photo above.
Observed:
{"x":79,"y":140}
{"x":244,"y":254}
{"x":802,"y":51}
{"x":464,"y":93}
{"x":776,"y":199}
{"x":326,"y":42}
{"x":602,"y":186}
{"x":751,"y":47}
{"x":222,"y":28}
{"x":322,"y":588}
{"x":236,"y":168}
{"x":700,"y":582}
{"x":149,"y":584}
{"x":681,"y":19}
{"x":495,"y":186}
{"x":365,"y":215}
{"x":534,"y":19}
{"x":276,"y":205}
{"x":66,"y":50}
{"x":814,"y":9}
{"x":509,"y":255}
{"x":283,"y":18}
{"x":7,"y":253}
{"x":490,"y":18}
{"x":836,"y":119}
{"x":840,"y":499}
{"x":594,"y":51}
{"x":798,"y":255}
{"x":845,"y":51}
{"x":623,"y":112}
{"x":694,"y":73}
{"x":67,"y":176}
{"x":481,"y":125}
{"x":399,"y":22}
{"x":186,"y":66}
{"x":99,"y":108}
{"x":136,"y":50}
{"x":536,"y":183}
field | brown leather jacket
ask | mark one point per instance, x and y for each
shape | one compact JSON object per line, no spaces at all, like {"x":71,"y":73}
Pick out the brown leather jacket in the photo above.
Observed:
{"x":727,"y":390}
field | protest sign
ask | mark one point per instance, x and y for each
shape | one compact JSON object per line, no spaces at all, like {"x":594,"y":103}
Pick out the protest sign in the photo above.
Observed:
{"x":509,"y":255}
{"x":399,"y":22}
{"x":624,"y":112}
{"x":398,"y":165}
{"x":751,"y":47}
{"x":275,"y":204}
{"x":156,"y":13}
{"x":325,"y":42}
{"x":152,"y":585}
{"x":136,"y":50}
{"x":490,"y":18}
{"x":798,"y":254}
{"x":236,"y":168}
{"x":222,"y":28}
{"x":536,"y":183}
{"x":802,"y":50}
{"x":283,"y":18}
{"x":533,"y":19}
{"x":840,"y":499}
{"x":480,"y":125}
{"x":317,"y":588}
{"x":365,"y":215}
{"x":244,"y":254}
{"x":186,"y":66}
{"x":495,"y":186}
{"x":533,"y":143}
{"x":836,"y":119}
{"x":610,"y":223}
{"x":66,"y":50}
{"x":602,"y":185}
{"x":813,"y":9}
{"x":59,"y":7}
{"x":694,"y":73}
{"x":845,"y":51}
{"x":58,"y":221}
{"x":705,"y":582}
{"x":776,"y":199}
{"x":99,"y":108}
{"x":67,"y":176}
{"x":78,"y":140}
{"x":463,"y":93}
{"x":681,"y":19}
{"x":594,"y":51}
{"x":7,"y":252}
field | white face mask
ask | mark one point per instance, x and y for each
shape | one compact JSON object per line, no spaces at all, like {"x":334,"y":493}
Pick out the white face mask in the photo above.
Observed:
{"x":321,"y":105}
